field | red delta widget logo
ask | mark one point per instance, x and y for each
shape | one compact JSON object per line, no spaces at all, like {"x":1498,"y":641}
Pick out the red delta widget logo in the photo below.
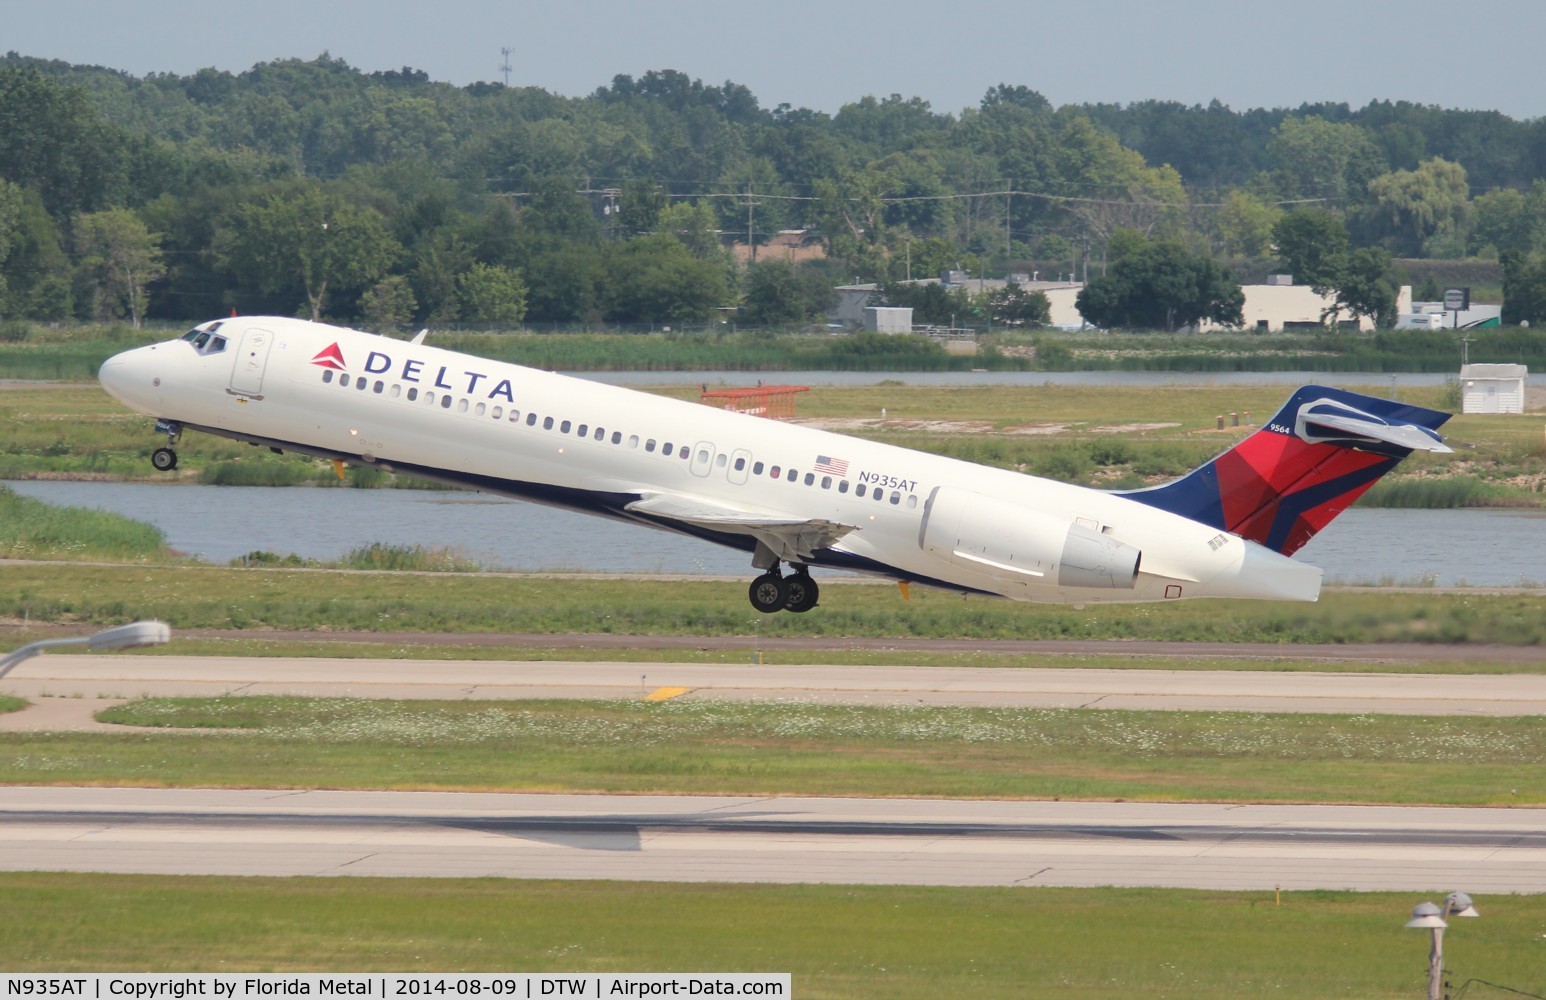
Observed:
{"x":413,"y":370}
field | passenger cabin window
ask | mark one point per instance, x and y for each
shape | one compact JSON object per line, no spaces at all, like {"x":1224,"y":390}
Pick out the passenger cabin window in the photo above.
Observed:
{"x":327,"y":375}
{"x":413,"y":394}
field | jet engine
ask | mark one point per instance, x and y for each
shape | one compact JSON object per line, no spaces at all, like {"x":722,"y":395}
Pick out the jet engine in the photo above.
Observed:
{"x":1024,"y":547}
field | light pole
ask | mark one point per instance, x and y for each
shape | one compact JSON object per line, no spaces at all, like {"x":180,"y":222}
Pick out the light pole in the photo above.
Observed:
{"x":1431,"y":917}
{"x":121,"y":637}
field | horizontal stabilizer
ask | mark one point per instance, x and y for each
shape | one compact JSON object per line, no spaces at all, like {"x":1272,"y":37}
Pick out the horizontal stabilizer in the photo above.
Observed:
{"x":1331,"y":421}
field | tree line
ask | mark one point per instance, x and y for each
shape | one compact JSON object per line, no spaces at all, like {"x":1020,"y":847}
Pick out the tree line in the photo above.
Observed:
{"x":308,"y":187}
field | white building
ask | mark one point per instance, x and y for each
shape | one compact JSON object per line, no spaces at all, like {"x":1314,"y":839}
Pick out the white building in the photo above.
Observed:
{"x":888,"y":319}
{"x":1492,"y":388}
{"x":1279,"y":305}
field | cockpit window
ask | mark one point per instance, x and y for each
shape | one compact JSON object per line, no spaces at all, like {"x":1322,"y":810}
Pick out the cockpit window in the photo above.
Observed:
{"x":203,"y":338}
{"x":206,"y":342}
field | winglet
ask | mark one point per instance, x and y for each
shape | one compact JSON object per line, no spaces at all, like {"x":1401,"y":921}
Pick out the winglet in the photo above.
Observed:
{"x":418,"y":338}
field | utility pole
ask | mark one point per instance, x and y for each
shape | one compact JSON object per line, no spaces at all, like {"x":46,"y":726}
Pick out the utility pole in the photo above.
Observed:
{"x":751,"y":240}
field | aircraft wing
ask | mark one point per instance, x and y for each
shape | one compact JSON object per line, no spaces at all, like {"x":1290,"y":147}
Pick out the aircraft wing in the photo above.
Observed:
{"x":790,"y":539}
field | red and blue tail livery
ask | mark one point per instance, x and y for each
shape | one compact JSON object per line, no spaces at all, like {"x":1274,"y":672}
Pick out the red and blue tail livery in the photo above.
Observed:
{"x":1308,"y":464}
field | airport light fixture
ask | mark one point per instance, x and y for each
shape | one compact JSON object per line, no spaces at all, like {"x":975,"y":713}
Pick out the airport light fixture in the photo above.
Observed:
{"x":1434,"y":919}
{"x":122,"y":637}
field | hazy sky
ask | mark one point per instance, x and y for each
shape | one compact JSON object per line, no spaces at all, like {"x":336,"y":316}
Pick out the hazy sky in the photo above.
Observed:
{"x":822,"y":54}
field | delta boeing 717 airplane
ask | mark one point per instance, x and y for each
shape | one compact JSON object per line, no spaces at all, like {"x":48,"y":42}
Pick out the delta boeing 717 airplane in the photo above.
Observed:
{"x":792,"y":497}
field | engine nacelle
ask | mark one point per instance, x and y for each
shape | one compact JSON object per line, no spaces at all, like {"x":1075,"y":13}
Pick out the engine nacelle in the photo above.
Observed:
{"x":1024,"y":547}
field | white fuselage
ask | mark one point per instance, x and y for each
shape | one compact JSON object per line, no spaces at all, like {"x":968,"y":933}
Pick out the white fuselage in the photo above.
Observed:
{"x":508,"y":429}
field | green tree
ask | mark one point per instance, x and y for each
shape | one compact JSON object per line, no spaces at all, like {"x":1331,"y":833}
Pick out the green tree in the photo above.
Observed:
{"x":492,"y":295}
{"x":692,"y":225}
{"x":1524,"y":288}
{"x":1245,"y":224}
{"x":931,"y":302}
{"x":1314,"y":158}
{"x":639,"y":206}
{"x":656,"y":279}
{"x":1366,"y":286}
{"x":780,"y":294}
{"x":388,"y":304}
{"x":1509,"y":220}
{"x":53,"y":141}
{"x":119,"y":257}
{"x":35,"y":272}
{"x":442,"y":259}
{"x":313,"y":238}
{"x":1412,"y":206}
{"x":1013,"y":306}
{"x":1312,"y":246}
{"x":1162,"y":286}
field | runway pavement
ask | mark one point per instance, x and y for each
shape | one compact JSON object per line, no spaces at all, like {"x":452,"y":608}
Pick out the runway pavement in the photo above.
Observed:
{"x":742,"y":839}
{"x":117,"y":677}
{"x":925,"y":842}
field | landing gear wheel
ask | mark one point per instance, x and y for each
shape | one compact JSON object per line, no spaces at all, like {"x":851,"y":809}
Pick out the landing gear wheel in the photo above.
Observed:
{"x":164,"y":459}
{"x":769,"y":593}
{"x":803,"y":593}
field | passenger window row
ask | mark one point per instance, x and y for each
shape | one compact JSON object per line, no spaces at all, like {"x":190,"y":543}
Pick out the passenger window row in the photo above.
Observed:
{"x":666,"y":450}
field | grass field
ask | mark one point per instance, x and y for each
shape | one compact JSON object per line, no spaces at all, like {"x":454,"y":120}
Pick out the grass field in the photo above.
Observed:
{"x":188,"y":597}
{"x":837,"y":941}
{"x":708,"y":747}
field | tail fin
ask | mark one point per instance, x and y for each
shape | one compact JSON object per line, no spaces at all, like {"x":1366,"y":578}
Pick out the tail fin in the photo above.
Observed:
{"x":1308,"y":464}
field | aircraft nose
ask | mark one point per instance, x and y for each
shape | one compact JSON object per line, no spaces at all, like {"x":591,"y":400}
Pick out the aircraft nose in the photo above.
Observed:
{"x":132,"y":379}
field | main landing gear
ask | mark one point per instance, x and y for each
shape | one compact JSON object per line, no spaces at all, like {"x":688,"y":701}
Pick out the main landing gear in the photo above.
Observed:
{"x":772,"y":591}
{"x":165,"y":459}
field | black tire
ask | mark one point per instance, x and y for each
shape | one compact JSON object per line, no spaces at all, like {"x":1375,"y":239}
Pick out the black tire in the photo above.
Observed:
{"x":768,"y":593}
{"x":803,"y":593}
{"x":164,"y":459}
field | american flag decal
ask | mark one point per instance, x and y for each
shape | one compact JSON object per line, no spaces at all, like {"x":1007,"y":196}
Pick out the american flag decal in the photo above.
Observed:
{"x":836,"y":466}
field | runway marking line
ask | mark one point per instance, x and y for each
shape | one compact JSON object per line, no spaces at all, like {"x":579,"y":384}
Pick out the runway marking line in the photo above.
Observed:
{"x":666,"y":693}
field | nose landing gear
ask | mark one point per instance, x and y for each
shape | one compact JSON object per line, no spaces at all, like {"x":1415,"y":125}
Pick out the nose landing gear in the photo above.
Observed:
{"x":772,"y":591}
{"x":165,"y":459}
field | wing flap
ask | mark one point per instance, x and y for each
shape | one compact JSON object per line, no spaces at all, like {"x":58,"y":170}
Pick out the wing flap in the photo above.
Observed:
{"x":790,"y":539}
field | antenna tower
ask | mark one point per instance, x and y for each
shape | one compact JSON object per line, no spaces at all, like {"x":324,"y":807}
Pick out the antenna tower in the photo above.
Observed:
{"x":504,"y":67}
